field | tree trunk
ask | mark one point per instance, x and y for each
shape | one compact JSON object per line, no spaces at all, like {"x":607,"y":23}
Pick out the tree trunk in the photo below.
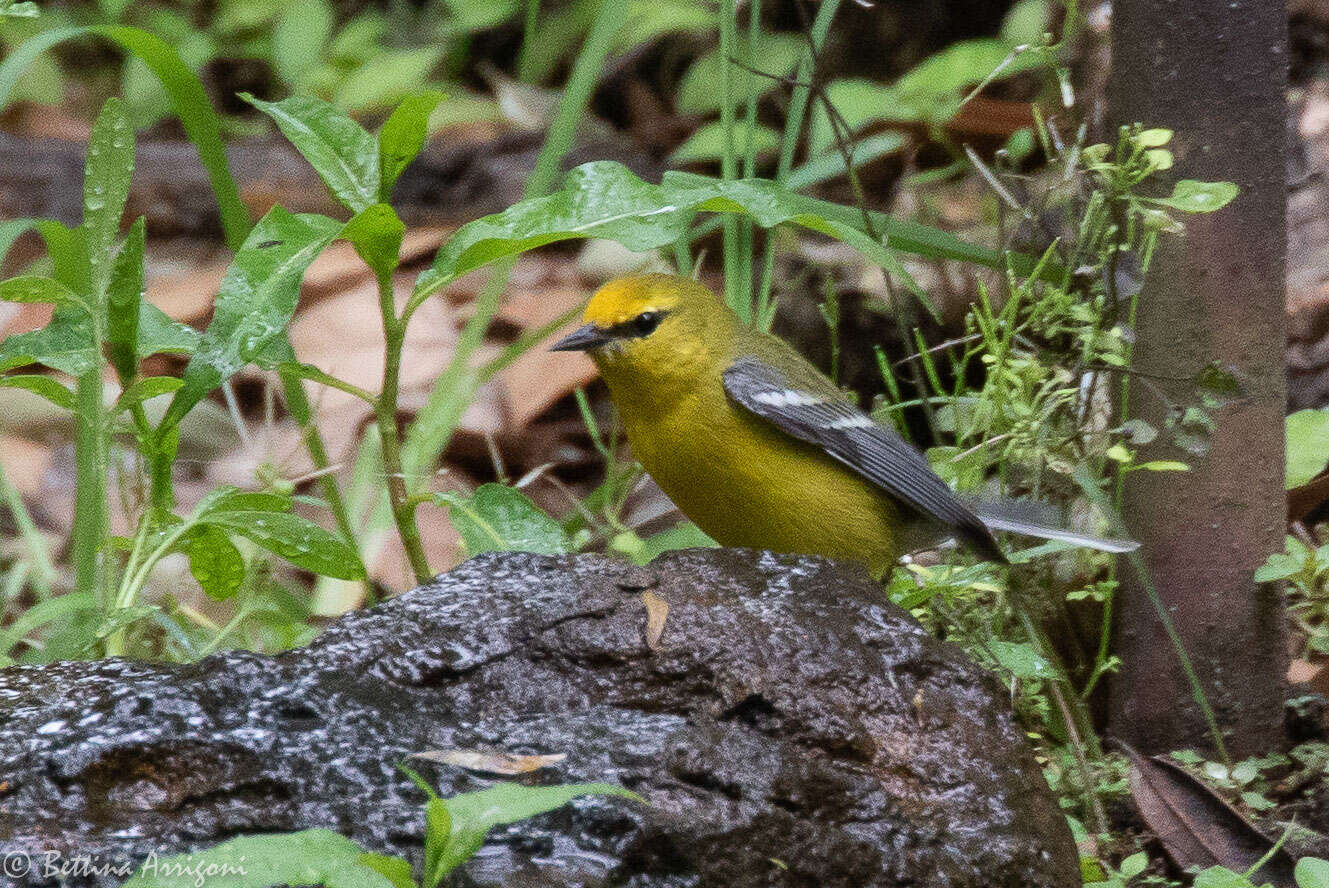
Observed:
{"x":1214,"y":71}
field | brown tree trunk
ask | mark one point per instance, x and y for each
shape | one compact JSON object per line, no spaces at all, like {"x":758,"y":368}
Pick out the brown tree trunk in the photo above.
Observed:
{"x":1214,"y":71}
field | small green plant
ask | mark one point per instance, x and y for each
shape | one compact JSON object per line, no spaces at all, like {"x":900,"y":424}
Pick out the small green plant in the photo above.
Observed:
{"x":1306,"y":570}
{"x":454,"y":828}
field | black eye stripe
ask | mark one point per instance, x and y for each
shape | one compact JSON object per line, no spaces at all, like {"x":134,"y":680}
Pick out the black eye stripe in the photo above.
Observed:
{"x":642,"y":325}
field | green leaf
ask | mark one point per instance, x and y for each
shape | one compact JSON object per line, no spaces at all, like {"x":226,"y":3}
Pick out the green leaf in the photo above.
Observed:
{"x":215,"y":561}
{"x":438,"y":834}
{"x":1312,"y":872}
{"x":1307,"y":445}
{"x":110,"y":166}
{"x":340,"y":151}
{"x":473,"y":814}
{"x":65,"y":344}
{"x":30,"y":288}
{"x":1278,"y":566}
{"x":124,"y":297}
{"x":386,"y":77}
{"x":1220,"y":877}
{"x":685,"y":535}
{"x":157,"y":333}
{"x":146,"y":389}
{"x":708,"y":142}
{"x":255,"y":302}
{"x":232,"y":499}
{"x":604,"y":199}
{"x":1134,"y":865}
{"x":188,"y":99}
{"x":298,"y":37}
{"x":395,"y":869}
{"x":1191,"y":196}
{"x":498,"y":518}
{"x":312,"y":857}
{"x":699,"y":92}
{"x":831,"y":164}
{"x":298,"y":540}
{"x":402,"y":136}
{"x":376,"y":233}
{"x":1021,"y":660}
{"x":45,"y":386}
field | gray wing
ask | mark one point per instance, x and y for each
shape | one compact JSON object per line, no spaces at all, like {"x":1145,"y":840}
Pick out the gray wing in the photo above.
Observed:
{"x":855,"y":439}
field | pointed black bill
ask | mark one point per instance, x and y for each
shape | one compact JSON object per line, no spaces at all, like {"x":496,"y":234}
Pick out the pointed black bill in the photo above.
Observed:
{"x":582,"y":339}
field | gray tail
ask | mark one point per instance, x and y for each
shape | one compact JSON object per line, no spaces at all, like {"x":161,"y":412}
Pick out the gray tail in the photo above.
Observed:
{"x":1042,"y":521}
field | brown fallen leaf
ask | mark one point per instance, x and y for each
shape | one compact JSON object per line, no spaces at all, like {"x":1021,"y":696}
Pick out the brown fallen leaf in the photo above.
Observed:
{"x":491,"y":761}
{"x":1198,"y":828}
{"x":657,"y":611}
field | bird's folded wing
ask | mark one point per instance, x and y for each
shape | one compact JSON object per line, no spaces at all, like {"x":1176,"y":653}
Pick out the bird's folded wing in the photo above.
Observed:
{"x":827,"y":419}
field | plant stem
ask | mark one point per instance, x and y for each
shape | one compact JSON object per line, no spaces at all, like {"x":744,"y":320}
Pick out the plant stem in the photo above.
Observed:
{"x":793,"y":127}
{"x":90,"y":508}
{"x":527,"y":36}
{"x":728,"y":161}
{"x":385,"y":413}
{"x":39,"y":556}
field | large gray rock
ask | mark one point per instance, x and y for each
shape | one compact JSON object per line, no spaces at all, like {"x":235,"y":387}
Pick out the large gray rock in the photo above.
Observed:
{"x":787,"y":713}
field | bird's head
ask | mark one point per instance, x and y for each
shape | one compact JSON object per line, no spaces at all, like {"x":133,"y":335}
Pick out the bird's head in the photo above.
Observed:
{"x":651,"y":324}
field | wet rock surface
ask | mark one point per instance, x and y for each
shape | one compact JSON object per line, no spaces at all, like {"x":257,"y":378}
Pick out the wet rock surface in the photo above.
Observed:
{"x":786,"y":714}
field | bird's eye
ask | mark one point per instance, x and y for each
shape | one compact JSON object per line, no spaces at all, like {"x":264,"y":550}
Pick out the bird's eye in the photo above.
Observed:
{"x":645,"y":323}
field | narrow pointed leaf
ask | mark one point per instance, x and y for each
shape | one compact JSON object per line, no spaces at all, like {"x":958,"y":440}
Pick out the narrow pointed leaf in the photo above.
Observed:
{"x":124,"y":298}
{"x":338,"y":148}
{"x":146,"y":389}
{"x":106,"y":179}
{"x":45,"y":386}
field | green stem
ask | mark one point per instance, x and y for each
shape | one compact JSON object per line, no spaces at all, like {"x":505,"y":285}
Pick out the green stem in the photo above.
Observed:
{"x":528,"y":33}
{"x":728,"y":161}
{"x":793,"y":127}
{"x":298,"y":403}
{"x":385,"y":413}
{"x":433,"y":427}
{"x":90,"y":504}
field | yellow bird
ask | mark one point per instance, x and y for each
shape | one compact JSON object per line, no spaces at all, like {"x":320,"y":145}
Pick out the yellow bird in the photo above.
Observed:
{"x":752,"y":442}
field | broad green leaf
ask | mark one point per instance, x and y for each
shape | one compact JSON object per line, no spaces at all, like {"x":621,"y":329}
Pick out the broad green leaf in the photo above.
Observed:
{"x":45,"y":386}
{"x":110,"y":166}
{"x":1191,"y":196}
{"x":188,"y":99}
{"x":298,"y":37}
{"x":64,"y":344}
{"x":311,"y":857}
{"x":776,"y":55}
{"x":233,"y":499}
{"x":29,"y":288}
{"x":1307,"y":445}
{"x":1021,"y":660}
{"x":708,"y":142}
{"x":124,"y":296}
{"x":498,"y":518}
{"x":1134,"y":865}
{"x":605,"y":199}
{"x":646,"y":20}
{"x":386,"y":77}
{"x":157,"y":333}
{"x":395,"y":869}
{"x":402,"y":136}
{"x":376,"y":234}
{"x":146,"y":389}
{"x":1025,"y":22}
{"x":255,"y":302}
{"x":1312,"y":872}
{"x":473,"y":814}
{"x":215,"y":561}
{"x":340,"y":151}
{"x":681,"y":536}
{"x":1278,"y":566}
{"x":1221,"y":877}
{"x":961,"y":65}
{"x":298,"y":540}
